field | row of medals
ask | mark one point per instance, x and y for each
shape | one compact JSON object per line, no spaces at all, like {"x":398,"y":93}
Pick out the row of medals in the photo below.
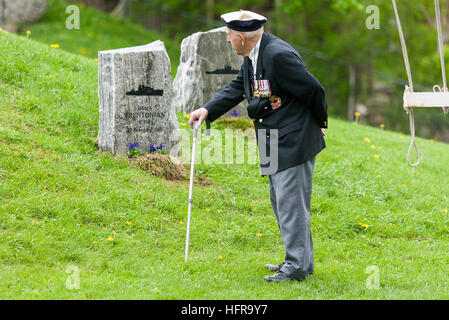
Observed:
{"x":261,"y":88}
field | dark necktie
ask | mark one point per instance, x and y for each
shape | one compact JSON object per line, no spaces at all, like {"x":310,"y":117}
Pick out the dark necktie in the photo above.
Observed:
{"x":251,"y":72}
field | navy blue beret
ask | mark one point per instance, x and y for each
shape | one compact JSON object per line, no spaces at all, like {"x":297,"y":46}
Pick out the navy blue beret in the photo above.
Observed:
{"x":243,"y":20}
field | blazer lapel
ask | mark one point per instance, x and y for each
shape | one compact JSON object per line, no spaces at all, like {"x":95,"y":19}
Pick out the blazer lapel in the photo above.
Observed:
{"x":263,"y":43}
{"x":259,"y":73}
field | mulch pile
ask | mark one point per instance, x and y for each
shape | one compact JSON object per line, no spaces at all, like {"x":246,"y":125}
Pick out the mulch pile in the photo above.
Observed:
{"x":161,"y":165}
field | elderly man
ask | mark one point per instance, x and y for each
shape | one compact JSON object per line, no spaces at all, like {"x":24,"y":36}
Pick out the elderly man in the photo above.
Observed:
{"x":287,"y":103}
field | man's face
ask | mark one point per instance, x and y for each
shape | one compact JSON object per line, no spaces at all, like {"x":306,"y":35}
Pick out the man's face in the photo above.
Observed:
{"x":237,"y":40}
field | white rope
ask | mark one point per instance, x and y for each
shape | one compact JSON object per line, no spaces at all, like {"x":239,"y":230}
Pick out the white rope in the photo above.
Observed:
{"x":412,"y":143}
{"x":403,"y":46}
{"x":410,"y":88}
{"x":441,"y":49}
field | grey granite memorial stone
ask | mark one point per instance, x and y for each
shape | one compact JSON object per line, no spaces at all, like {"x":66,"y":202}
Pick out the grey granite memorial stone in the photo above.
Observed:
{"x":208,"y":63}
{"x":15,"y":12}
{"x":135,"y":99}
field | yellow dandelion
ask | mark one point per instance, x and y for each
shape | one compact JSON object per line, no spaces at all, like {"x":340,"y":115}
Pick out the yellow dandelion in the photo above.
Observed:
{"x":35,"y":221}
{"x":28,"y":33}
{"x":363,"y":225}
{"x":110,"y":238}
{"x":96,"y":59}
{"x":373,"y":146}
{"x":128,"y":223}
{"x":183,"y":123}
{"x":36,"y":292}
{"x":390,"y":224}
{"x":367,"y":140}
{"x":380,"y":148}
{"x":207,"y":209}
{"x":187,"y":116}
{"x":378,"y":176}
{"x":444,"y":210}
{"x":259,"y":235}
{"x":376,"y":156}
{"x":180,"y":222}
{"x":220,"y":258}
{"x":357,"y":114}
{"x":401,"y":137}
{"x":54,"y":46}
{"x":382,"y":126}
{"x":83,"y":296}
{"x":112,"y":282}
{"x":403,"y":185}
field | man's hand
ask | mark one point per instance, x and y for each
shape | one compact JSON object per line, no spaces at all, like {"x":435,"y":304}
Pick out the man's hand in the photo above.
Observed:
{"x":323,"y":131}
{"x":200,"y":115}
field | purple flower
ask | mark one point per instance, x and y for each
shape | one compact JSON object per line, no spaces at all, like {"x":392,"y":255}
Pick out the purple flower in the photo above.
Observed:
{"x":152,"y":148}
{"x":133,"y":145}
{"x":160,"y":146}
{"x":235,"y":113}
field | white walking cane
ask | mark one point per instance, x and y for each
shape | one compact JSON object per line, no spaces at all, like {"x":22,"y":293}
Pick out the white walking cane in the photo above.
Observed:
{"x":192,"y":172}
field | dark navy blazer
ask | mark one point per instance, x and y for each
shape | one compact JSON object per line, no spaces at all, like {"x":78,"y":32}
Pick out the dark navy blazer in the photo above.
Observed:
{"x":303,"y":109}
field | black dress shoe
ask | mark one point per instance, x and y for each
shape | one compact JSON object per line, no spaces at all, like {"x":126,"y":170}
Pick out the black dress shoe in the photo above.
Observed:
{"x":279,"y":277}
{"x":274,"y":267}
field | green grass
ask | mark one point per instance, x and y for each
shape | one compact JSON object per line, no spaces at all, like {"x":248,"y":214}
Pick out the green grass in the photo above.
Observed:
{"x":98,"y":31}
{"x":61,"y":199}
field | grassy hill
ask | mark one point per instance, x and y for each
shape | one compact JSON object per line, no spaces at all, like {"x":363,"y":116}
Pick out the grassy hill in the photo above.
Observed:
{"x":67,"y":206}
{"x":98,"y":31}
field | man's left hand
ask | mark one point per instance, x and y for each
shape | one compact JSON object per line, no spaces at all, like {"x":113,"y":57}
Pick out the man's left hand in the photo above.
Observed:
{"x":323,"y":131}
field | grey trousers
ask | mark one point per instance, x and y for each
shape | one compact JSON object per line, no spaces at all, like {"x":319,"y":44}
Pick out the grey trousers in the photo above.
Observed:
{"x":290,"y":195}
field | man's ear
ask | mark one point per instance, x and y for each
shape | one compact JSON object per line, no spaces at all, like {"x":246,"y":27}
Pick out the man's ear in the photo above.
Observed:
{"x":242,"y":38}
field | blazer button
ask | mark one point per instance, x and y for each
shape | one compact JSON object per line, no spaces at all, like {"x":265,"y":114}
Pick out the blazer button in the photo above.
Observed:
{"x":268,"y":137}
{"x":266,"y":108}
{"x":244,"y":96}
{"x":260,"y":120}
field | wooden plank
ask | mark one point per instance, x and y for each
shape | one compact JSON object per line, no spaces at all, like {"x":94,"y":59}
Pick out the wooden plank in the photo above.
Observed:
{"x":426,"y":99}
